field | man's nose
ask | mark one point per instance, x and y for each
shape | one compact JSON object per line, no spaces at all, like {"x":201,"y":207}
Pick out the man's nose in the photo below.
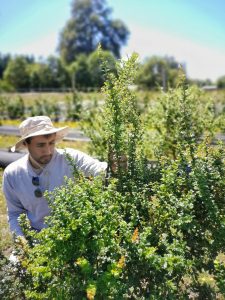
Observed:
{"x":48,"y":149}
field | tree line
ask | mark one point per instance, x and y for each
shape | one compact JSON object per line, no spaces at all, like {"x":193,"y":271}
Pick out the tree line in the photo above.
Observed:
{"x":24,"y":73}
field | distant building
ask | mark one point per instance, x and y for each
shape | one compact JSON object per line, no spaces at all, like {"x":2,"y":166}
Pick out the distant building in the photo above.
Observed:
{"x":209,"y":87}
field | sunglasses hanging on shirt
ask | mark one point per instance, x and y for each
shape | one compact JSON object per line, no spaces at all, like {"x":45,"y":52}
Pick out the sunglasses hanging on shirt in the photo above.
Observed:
{"x":36,"y":182}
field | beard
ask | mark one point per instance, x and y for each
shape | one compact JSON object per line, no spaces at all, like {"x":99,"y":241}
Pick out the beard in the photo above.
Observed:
{"x":40,"y":162}
{"x":43,"y":160}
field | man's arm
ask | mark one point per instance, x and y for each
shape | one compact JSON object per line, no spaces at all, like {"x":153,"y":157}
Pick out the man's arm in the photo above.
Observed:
{"x":14,"y":207}
{"x":87,"y":164}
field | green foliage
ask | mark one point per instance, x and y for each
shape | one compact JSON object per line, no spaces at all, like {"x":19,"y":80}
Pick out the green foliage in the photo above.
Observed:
{"x":4,"y":59}
{"x":79,"y":73}
{"x":90,"y":25}
{"x":143,"y":233}
{"x":179,"y":119}
{"x":221,"y":82}
{"x":59,"y":74}
{"x":92,"y":126}
{"x":220,"y":271}
{"x":5,"y":86}
{"x":43,"y":107}
{"x":74,"y":107}
{"x":3,"y":107}
{"x":155,"y":243}
{"x":116,"y":128}
{"x":122,"y":126}
{"x":12,"y":108}
{"x":16,"y":108}
{"x":95,"y":61}
{"x":158,"y":72}
{"x":16,"y":73}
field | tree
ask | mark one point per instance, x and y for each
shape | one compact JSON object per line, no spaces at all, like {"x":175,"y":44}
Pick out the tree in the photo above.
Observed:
{"x":221,"y":82}
{"x":79,"y":73}
{"x":90,"y":25}
{"x":17,"y":73}
{"x":48,"y":74}
{"x":4,"y":59}
{"x":34,"y":75}
{"x":95,"y":60}
{"x":60,"y":76}
{"x":40,"y":76}
{"x":159,"y":71}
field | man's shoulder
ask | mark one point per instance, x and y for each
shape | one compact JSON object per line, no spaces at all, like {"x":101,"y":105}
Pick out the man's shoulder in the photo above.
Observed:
{"x":69,"y":153}
{"x":17,"y":165}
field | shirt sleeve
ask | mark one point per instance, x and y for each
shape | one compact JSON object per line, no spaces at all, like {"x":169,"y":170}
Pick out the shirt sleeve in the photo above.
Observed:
{"x":14,"y":206}
{"x":87,"y":164}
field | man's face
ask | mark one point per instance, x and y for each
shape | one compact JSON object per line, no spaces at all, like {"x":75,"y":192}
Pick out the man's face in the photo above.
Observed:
{"x":41,"y":148}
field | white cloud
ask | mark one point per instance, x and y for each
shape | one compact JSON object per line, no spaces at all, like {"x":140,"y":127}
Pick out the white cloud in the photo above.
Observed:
{"x":201,"y":62}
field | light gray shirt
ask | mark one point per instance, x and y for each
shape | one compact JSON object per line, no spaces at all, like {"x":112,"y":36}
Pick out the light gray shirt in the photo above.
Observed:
{"x":19,"y":190}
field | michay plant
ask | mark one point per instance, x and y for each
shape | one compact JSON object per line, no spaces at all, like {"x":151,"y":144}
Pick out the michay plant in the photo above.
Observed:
{"x":141,"y":232}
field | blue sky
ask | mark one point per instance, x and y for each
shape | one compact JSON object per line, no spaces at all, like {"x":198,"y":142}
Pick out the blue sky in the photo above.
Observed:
{"x":192,"y":31}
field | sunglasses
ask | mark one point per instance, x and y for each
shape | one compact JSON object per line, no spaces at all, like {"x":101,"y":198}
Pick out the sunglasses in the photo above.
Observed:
{"x":38,"y":192}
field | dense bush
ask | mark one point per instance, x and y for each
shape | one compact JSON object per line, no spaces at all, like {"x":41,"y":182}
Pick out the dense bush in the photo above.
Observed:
{"x":142,"y":232}
{"x":221,"y":82}
{"x":74,"y":107}
{"x":16,"y":108}
{"x":180,"y":116}
{"x":12,"y":109}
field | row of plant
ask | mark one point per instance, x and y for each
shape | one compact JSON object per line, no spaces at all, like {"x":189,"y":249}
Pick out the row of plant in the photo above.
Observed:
{"x":70,"y":108}
{"x":144,"y":231}
{"x":84,"y":107}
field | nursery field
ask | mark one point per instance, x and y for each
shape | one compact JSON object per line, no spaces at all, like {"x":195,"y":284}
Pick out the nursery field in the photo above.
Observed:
{"x":143,"y":232}
{"x":145,"y":98}
{"x":217,"y":96}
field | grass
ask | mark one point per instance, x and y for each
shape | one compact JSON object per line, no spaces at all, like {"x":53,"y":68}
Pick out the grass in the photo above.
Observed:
{"x":5,"y":236}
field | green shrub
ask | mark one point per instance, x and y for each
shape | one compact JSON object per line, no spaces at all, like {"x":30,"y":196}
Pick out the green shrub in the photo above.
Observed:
{"x":180,"y":116}
{"x":141,"y":233}
{"x":16,"y":108}
{"x":6,"y":87}
{"x":44,"y":107}
{"x":220,"y":271}
{"x":3,"y":107}
{"x":154,"y":243}
{"x":74,"y":106}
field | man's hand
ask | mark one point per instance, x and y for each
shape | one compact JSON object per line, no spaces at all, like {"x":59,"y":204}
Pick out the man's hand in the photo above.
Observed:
{"x":115,"y":162}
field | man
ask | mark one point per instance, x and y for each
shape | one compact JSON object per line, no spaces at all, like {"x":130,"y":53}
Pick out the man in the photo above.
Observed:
{"x":42,"y":169}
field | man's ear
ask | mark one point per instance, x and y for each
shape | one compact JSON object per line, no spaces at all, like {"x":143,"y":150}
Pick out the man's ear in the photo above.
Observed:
{"x":25,"y":143}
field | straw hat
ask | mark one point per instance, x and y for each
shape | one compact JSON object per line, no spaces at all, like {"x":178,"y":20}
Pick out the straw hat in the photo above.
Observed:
{"x":39,"y":125}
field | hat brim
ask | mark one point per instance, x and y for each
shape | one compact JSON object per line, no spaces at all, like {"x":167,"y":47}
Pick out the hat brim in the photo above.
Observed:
{"x":60,"y":134}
